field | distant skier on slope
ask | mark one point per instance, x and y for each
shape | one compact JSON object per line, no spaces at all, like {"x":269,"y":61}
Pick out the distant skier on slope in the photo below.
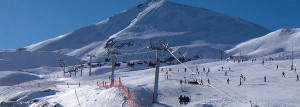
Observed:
{"x":227,"y":80}
{"x":201,"y":81}
{"x":297,"y":78}
{"x":265,"y":78}
{"x":240,"y":81}
{"x":180,"y":100}
{"x":208,"y":81}
{"x":283,"y":74}
{"x":277,"y":66}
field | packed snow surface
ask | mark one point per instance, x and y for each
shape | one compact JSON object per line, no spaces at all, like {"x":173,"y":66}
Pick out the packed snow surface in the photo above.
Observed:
{"x":277,"y":91}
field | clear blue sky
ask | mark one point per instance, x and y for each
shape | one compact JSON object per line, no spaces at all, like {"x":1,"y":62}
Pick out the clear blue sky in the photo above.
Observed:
{"x":25,"y":22}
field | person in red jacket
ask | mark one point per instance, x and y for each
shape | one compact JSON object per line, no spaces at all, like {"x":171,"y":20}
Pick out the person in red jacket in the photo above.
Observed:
{"x":180,"y":99}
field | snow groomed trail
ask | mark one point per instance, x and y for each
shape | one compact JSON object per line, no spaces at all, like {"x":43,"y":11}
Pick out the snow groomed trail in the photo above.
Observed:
{"x":91,"y":90}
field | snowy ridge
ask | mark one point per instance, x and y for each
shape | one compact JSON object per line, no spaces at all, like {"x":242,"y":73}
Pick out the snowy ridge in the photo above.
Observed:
{"x":277,"y":44}
{"x":86,"y":35}
{"x":21,"y":59}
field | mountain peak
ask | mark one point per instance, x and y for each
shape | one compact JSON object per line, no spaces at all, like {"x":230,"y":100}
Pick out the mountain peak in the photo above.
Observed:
{"x":184,"y":26}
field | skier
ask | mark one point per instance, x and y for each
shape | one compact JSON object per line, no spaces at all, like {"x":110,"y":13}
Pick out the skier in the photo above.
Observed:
{"x":241,"y":76}
{"x":227,"y":80}
{"x":225,"y":73}
{"x":295,"y":70}
{"x":263,"y":62}
{"x":208,"y":81}
{"x":240,"y":81}
{"x":187,"y":99}
{"x":277,"y":66}
{"x":297,"y":78}
{"x":180,"y":99}
{"x":265,"y":78}
{"x":283,"y":74}
{"x":167,"y":75}
{"x":222,"y":68}
{"x":203,"y":70}
{"x":229,"y":68}
{"x":184,"y":69}
{"x":244,"y":78}
{"x":207,"y":73}
{"x":180,"y":82}
{"x":201,"y":81}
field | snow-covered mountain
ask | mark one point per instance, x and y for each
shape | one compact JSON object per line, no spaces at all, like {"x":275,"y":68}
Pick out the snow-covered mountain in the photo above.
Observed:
{"x":187,"y":28}
{"x":31,"y":77}
{"x":277,"y":44}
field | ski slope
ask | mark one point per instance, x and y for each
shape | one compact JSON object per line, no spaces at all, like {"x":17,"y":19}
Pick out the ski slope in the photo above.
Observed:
{"x":277,"y":44}
{"x":277,"y":91}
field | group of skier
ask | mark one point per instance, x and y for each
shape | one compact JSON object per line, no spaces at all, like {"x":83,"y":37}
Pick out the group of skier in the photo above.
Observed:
{"x":183,"y":100}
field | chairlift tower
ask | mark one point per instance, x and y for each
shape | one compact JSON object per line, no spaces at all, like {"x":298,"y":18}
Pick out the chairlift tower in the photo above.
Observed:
{"x":158,"y":46}
{"x":61,"y":61}
{"x":113,"y":53}
{"x":90,"y":67}
{"x":81,"y":68}
{"x":62,"y":65}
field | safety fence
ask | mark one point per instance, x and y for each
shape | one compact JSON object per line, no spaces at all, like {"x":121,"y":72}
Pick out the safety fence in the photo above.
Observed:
{"x":116,"y":83}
